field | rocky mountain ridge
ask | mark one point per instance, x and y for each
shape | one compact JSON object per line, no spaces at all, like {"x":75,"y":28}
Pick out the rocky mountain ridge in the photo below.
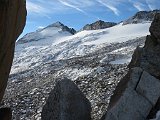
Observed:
{"x":63,"y":27}
{"x":98,"y":25}
{"x":141,"y":17}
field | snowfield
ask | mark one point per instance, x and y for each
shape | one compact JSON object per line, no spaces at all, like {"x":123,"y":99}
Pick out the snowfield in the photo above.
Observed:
{"x":52,"y":43}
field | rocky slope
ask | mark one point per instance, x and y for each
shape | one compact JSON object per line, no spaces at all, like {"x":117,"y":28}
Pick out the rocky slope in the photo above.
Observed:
{"x":96,"y":74}
{"x":142,"y":16}
{"x":52,"y":44}
{"x":98,"y":25}
{"x":137,"y":96}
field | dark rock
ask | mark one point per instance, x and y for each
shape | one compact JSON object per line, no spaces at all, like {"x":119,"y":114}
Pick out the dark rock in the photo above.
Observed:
{"x":12,"y":21}
{"x":154,"y":29}
{"x":66,"y":102}
{"x":148,"y":57}
{"x":98,"y":25}
{"x":5,"y":114}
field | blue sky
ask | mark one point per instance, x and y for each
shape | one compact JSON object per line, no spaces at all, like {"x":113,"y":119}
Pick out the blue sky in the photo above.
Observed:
{"x":77,"y":13}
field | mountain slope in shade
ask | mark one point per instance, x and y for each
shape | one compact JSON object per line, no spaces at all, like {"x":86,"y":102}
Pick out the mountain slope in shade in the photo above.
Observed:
{"x":141,"y":17}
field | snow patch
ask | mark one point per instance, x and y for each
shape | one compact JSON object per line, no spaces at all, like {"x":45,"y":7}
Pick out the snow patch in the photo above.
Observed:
{"x":121,"y":61}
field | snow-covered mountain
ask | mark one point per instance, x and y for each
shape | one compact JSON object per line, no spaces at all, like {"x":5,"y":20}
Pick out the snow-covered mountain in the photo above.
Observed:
{"x":52,"y":43}
{"x":94,"y":59}
{"x":56,"y":30}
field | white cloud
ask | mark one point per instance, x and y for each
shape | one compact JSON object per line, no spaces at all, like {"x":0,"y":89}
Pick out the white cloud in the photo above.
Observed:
{"x":65,"y":3}
{"x":50,"y":7}
{"x":139,"y":6}
{"x":110,"y":5}
{"x":153,"y":4}
{"x":33,"y":7}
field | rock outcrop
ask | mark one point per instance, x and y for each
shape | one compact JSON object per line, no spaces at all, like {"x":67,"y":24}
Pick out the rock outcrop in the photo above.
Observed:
{"x":99,"y":25}
{"x":12,"y":22}
{"x":148,"y":57}
{"x":66,"y":102}
{"x":141,"y":16}
{"x":137,"y":96}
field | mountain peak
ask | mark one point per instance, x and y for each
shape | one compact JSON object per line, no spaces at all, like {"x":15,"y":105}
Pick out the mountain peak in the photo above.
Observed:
{"x":141,"y":16}
{"x":56,"y":24}
{"x":100,"y":24}
{"x":62,"y":26}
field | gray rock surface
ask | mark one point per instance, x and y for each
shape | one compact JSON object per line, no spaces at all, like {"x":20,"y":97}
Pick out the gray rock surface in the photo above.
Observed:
{"x":137,"y":96}
{"x":148,"y":57}
{"x":66,"y":102}
{"x":140,"y":93}
{"x":12,"y":22}
{"x":149,"y":87}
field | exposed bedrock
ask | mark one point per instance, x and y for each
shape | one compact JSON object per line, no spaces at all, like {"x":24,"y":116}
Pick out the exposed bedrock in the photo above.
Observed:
{"x":137,"y":96}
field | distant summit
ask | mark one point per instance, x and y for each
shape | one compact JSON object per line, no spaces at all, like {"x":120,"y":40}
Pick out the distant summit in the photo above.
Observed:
{"x":98,"y":25}
{"x":55,"y":30}
{"x":141,"y":17}
{"x":63,"y":27}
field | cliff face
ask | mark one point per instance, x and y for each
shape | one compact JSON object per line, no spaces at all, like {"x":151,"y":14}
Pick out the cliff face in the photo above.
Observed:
{"x":137,"y":96}
{"x":148,"y":57}
{"x":12,"y":21}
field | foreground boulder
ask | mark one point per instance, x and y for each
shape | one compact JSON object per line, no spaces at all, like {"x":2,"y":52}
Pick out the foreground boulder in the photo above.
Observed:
{"x":137,"y":96}
{"x":66,"y":102}
{"x":12,"y":22}
{"x":134,"y":97}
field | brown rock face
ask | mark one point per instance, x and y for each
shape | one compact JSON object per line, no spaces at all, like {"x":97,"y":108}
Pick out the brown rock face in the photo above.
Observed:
{"x":12,"y":21}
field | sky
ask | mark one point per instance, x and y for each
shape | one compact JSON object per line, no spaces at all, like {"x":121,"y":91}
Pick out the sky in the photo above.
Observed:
{"x":77,"y":13}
